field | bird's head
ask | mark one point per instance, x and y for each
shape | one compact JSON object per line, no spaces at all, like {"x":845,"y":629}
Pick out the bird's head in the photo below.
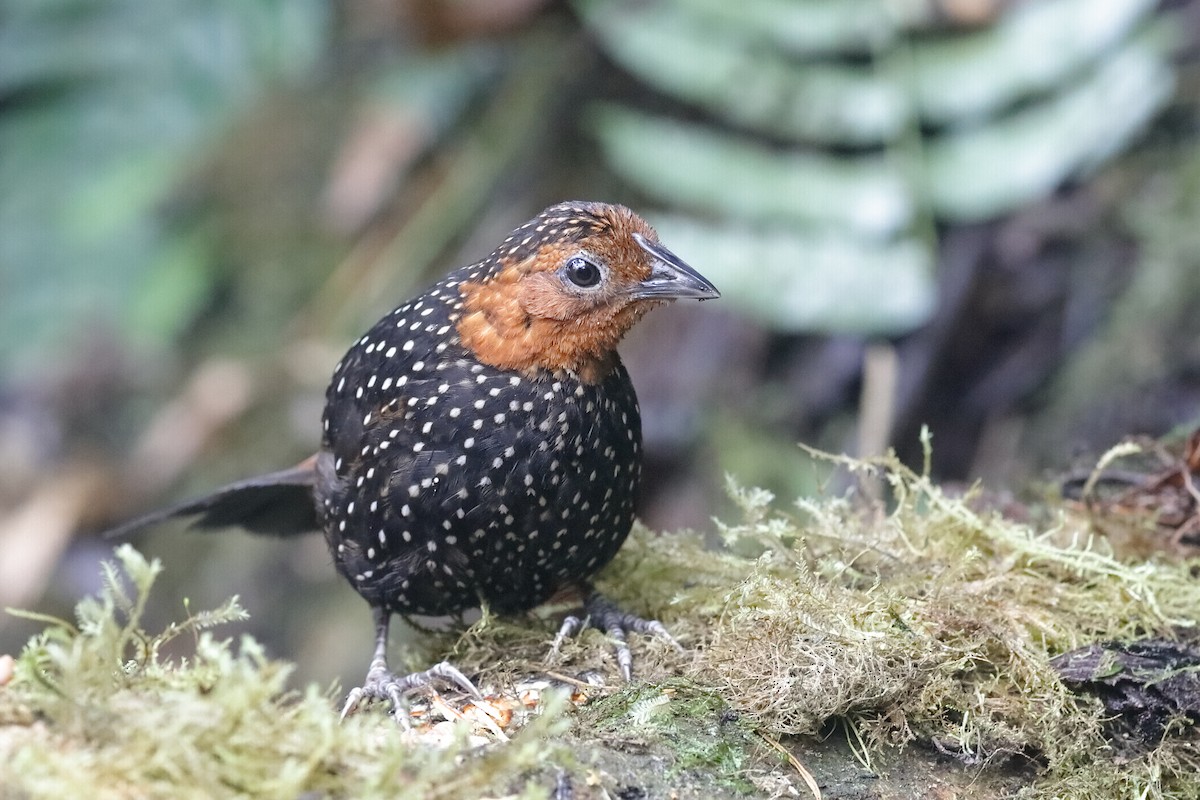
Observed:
{"x":563,"y":288}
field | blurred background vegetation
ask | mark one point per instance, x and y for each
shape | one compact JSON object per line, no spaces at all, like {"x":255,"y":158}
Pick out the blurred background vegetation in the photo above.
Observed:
{"x":979,"y":215}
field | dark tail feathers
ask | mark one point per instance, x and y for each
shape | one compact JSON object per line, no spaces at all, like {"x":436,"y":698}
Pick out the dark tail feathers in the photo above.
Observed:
{"x":278,"y":504}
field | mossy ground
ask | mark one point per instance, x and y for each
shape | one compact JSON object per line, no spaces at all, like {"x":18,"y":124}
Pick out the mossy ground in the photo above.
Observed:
{"x":892,"y":649}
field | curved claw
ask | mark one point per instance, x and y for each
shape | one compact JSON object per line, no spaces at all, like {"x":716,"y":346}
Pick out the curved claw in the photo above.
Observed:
{"x":444,"y":670}
{"x":571,"y":625}
{"x":355,"y":697}
{"x":652,"y":627}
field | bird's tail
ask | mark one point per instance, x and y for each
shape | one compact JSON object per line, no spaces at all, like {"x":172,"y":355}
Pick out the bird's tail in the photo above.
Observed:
{"x":277,"y":504}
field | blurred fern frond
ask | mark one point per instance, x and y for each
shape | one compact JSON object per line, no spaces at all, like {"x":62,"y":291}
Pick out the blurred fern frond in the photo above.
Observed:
{"x":852,"y":128}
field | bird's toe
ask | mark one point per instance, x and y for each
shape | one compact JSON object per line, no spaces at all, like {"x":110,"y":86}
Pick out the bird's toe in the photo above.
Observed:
{"x":605,"y":615}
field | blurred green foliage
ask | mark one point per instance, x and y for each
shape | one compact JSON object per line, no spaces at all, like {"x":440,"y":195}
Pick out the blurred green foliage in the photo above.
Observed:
{"x":846,"y":130}
{"x":837,"y":135}
{"x":106,"y":105}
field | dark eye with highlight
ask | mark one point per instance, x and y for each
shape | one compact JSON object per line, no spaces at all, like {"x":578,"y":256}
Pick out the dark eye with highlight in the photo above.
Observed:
{"x":581,"y":272}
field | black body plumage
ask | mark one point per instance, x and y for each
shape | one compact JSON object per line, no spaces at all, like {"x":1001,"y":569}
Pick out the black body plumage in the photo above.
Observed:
{"x":455,"y":482}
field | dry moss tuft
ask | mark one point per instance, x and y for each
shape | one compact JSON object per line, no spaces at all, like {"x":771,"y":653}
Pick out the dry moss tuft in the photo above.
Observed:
{"x":922,"y":619}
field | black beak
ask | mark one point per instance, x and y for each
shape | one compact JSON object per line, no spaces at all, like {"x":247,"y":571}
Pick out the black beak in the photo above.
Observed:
{"x":670,"y":278}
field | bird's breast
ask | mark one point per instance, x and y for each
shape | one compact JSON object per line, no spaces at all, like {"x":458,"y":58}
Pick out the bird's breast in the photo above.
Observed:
{"x":484,"y":485}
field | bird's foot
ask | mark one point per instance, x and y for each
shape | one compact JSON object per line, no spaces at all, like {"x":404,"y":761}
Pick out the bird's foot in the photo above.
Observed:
{"x":604,"y":615}
{"x":383,"y":684}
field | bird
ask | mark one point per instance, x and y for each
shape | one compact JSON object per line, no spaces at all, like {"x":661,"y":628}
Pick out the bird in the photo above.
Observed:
{"x":481,"y":443}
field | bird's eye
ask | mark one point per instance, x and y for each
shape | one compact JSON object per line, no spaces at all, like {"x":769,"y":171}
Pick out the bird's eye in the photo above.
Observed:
{"x":582,"y":272}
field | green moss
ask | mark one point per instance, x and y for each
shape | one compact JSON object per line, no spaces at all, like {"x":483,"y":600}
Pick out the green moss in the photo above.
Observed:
{"x":692,"y":724}
{"x":96,"y":710}
{"x":925,"y":618}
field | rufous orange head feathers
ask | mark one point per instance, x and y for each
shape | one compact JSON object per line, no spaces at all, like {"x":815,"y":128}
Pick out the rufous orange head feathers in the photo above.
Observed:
{"x":564,"y":288}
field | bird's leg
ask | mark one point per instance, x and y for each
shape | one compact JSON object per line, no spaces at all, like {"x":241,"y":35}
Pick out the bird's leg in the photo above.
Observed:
{"x":383,"y":684}
{"x":604,"y":615}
